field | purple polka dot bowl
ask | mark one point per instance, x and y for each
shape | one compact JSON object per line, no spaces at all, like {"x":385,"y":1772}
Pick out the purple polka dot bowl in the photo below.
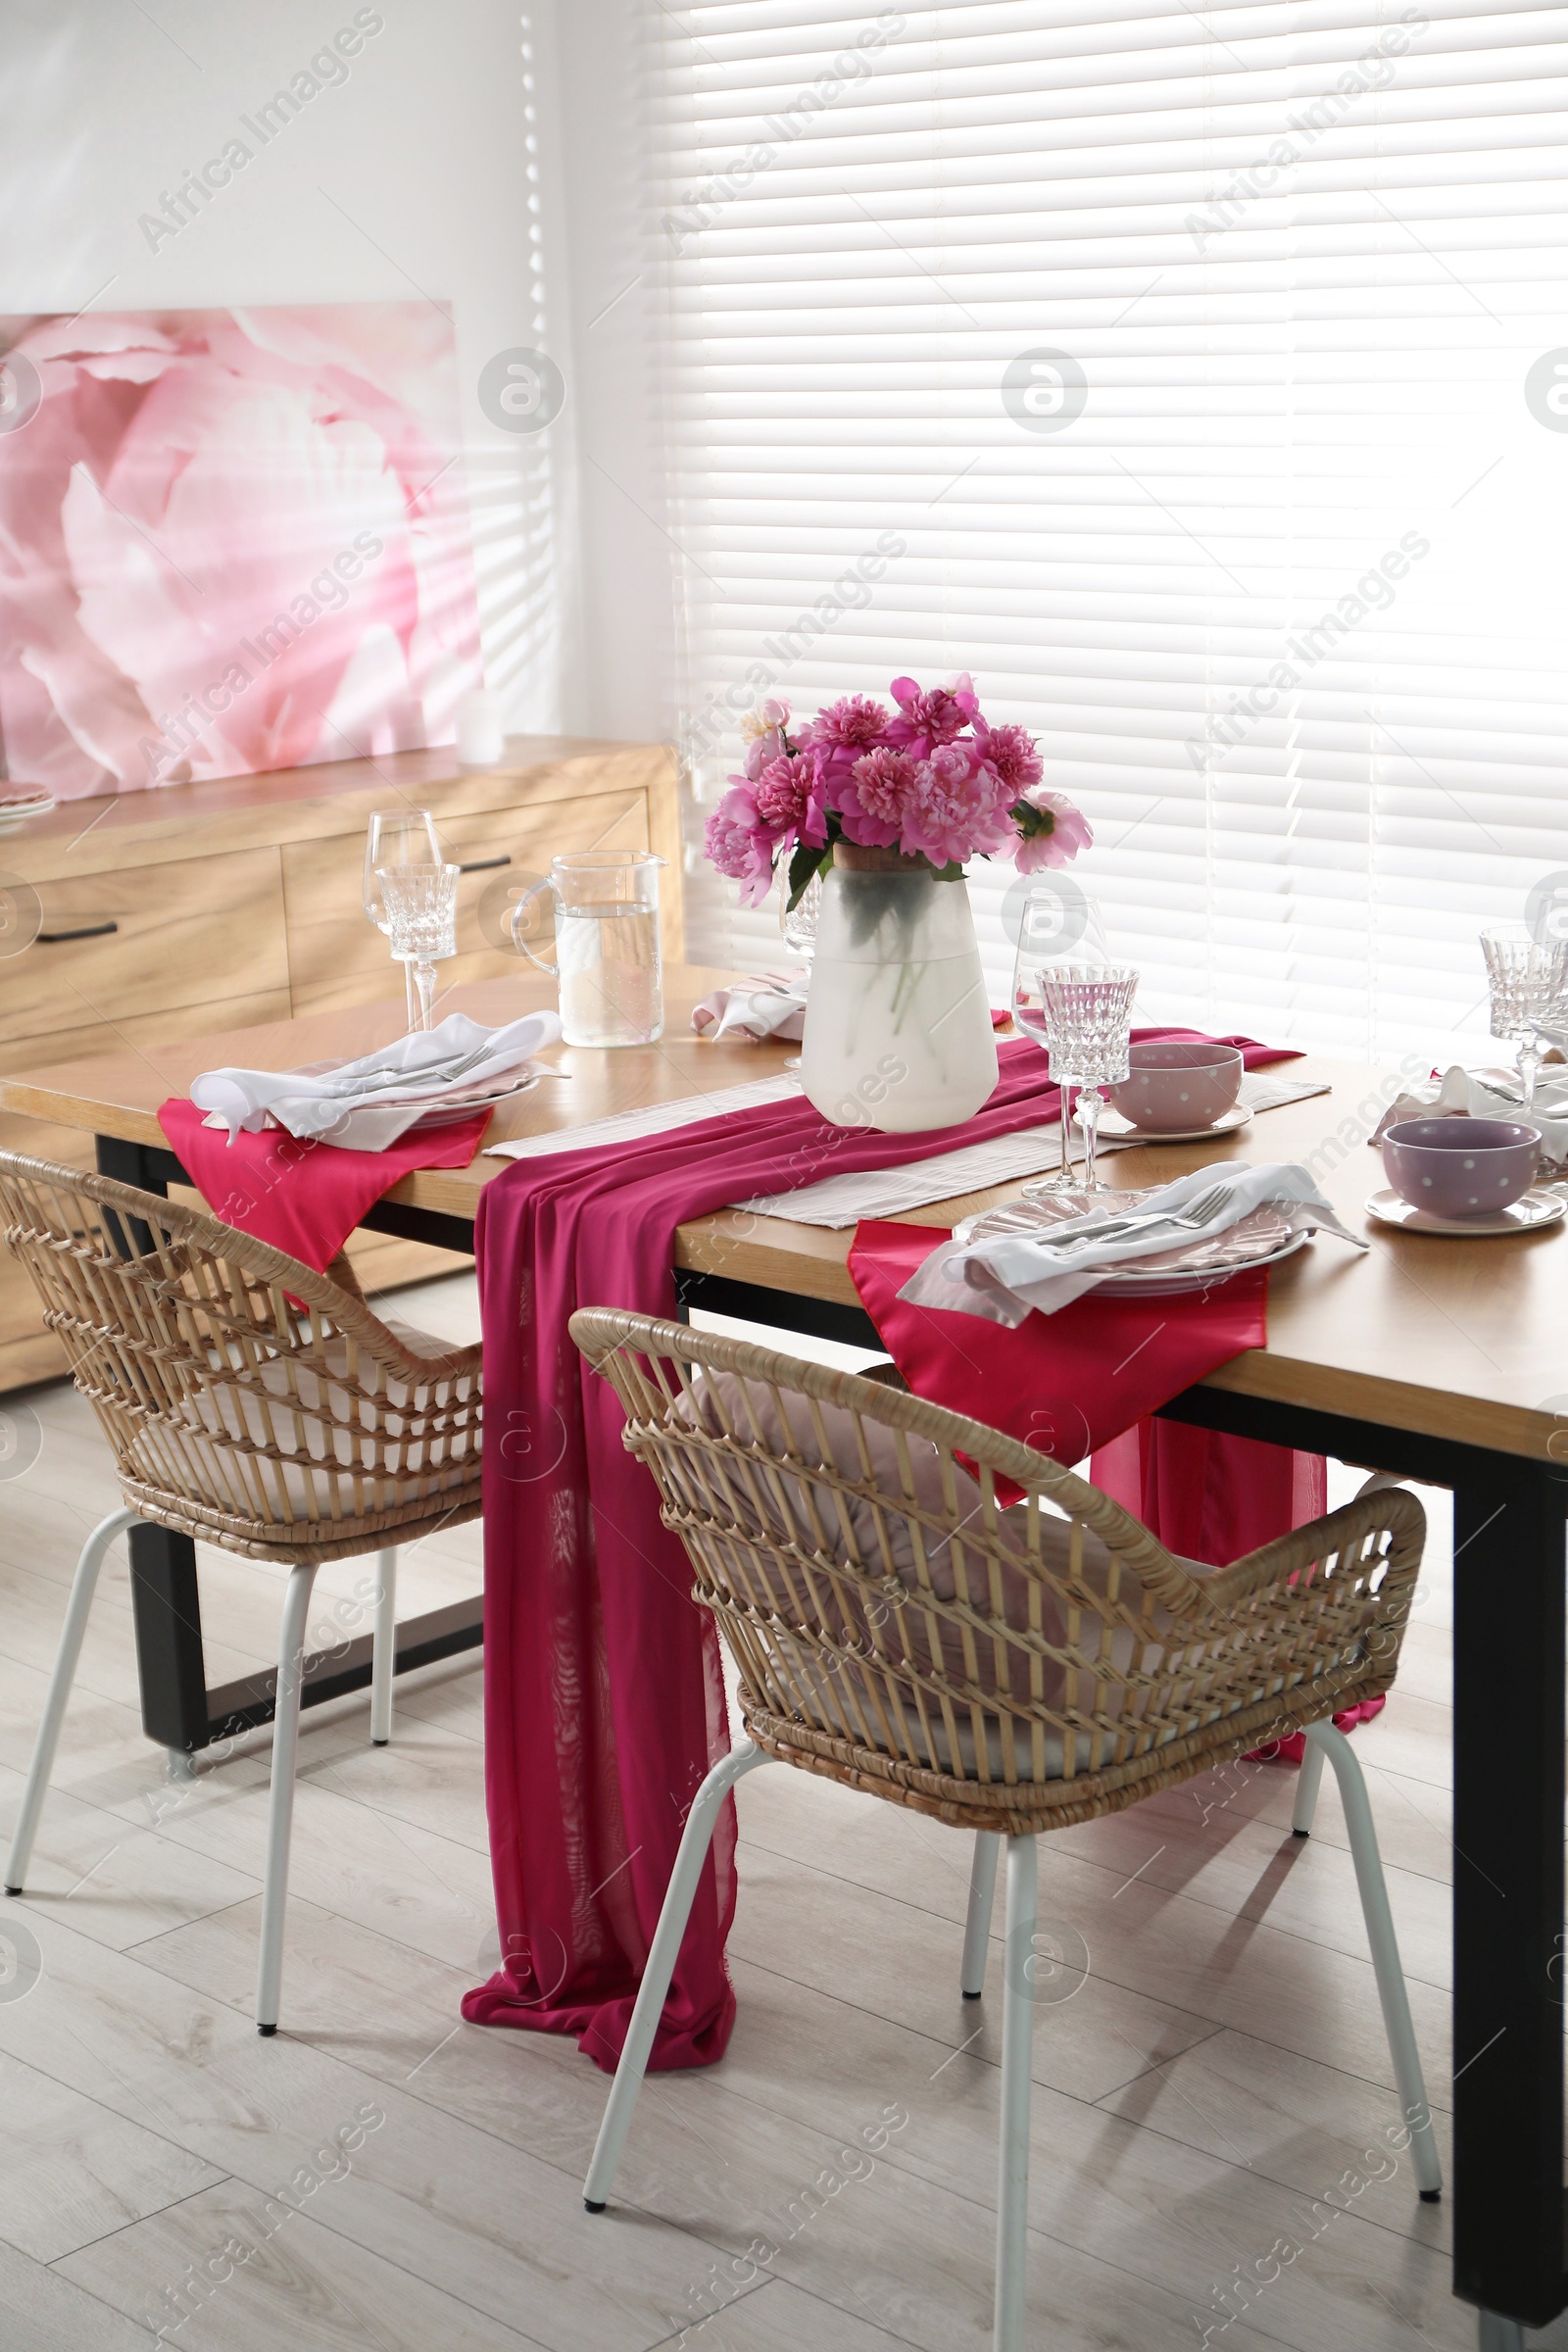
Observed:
{"x":1460,"y":1167}
{"x":1177,"y":1082}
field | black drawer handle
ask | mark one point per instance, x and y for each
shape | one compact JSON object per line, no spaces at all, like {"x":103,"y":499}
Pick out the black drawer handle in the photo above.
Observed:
{"x":482,"y":865}
{"x":53,"y":939}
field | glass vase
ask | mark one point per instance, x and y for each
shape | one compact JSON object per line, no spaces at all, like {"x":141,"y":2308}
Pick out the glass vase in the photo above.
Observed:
{"x":897,"y":1020}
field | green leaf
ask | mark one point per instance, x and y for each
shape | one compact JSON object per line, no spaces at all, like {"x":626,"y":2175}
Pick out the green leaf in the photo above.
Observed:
{"x":805,"y":862}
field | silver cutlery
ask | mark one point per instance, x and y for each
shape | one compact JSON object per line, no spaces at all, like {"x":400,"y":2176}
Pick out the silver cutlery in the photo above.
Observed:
{"x":1191,"y":1215}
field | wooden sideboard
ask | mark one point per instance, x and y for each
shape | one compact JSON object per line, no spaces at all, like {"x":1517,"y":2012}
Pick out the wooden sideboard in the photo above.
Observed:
{"x":169,"y":914}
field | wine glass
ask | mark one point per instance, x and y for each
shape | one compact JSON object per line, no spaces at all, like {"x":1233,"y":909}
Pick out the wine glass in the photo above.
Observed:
{"x":1087,"y":1010}
{"x":421,"y":908}
{"x":798,"y":923}
{"x":397,"y":837}
{"x":1051,"y":934}
{"x":1528,"y":979}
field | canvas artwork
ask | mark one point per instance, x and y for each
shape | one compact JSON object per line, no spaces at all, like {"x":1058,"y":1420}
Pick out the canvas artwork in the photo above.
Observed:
{"x":231,"y":541}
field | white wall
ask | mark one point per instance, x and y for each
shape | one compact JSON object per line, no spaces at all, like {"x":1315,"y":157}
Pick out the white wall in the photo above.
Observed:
{"x":419,"y":173}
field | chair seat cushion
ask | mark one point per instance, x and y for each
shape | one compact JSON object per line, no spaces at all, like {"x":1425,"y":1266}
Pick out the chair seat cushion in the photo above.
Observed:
{"x":294,"y":1447}
{"x":855,"y":1598}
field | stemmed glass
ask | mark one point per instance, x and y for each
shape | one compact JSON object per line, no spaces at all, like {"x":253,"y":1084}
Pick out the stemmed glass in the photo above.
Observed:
{"x":1050,"y":935}
{"x":422,"y":906}
{"x":398,"y":837}
{"x":797,"y":924}
{"x":1528,"y":982}
{"x":1088,"y":1011}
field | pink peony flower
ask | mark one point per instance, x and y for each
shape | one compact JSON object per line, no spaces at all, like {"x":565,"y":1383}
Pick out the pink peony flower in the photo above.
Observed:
{"x":883,"y":781}
{"x":1012,"y":753}
{"x":739,"y":845}
{"x":957,"y":809}
{"x":758,"y":751}
{"x":926,"y":720}
{"x":853,"y":723}
{"x":781,"y":792}
{"x":769,"y":719}
{"x":1069,"y":833}
{"x":873,"y":797}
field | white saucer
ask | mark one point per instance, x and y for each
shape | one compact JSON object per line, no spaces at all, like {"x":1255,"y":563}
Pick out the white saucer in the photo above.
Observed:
{"x":1113,"y":1124}
{"x":1531,"y":1214}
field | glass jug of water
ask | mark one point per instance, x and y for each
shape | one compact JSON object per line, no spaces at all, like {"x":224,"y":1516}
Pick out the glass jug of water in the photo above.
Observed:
{"x":607,"y":944}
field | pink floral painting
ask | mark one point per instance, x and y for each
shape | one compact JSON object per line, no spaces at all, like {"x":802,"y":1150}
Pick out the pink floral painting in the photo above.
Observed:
{"x":231,"y":541}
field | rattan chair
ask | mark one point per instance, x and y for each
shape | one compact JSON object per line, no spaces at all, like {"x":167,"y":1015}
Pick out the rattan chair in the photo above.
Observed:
{"x":900,"y":1629}
{"x":251,"y":1403}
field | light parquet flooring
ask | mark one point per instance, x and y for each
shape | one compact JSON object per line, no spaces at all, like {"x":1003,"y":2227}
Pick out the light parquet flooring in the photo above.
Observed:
{"x":384,"y":2176}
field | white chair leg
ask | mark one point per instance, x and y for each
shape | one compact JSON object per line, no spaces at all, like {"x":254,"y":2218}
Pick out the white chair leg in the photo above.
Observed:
{"x":1018,"y":2036}
{"x":1307,"y":1788}
{"x":83,"y":1587}
{"x":977,"y":1926}
{"x":384,"y":1646}
{"x":1499,"y":2334}
{"x":679,"y":1897}
{"x":1417,"y":2115}
{"x":280,"y":1811}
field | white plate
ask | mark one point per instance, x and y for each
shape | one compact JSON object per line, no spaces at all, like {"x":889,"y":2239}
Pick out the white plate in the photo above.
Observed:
{"x":461,"y":1103}
{"x":1112,"y":1123}
{"x":1170,"y":1286}
{"x":1537,"y":1209}
{"x":16,"y":813}
{"x":464,"y":1104}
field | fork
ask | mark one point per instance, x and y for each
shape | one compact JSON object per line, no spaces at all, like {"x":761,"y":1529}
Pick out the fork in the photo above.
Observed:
{"x":1191,"y":1215}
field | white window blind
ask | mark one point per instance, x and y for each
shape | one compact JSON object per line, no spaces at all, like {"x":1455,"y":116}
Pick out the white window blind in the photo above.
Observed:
{"x":1192,"y":377}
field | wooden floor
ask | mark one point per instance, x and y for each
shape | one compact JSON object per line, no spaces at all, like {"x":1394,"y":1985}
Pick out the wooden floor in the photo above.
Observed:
{"x":384,"y":2176}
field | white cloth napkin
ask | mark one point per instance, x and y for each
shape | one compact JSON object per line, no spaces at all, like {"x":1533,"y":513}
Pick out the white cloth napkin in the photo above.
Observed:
{"x":768,"y":1005}
{"x":367,"y":1104}
{"x":1002,"y":1278}
{"x":1486,"y":1095}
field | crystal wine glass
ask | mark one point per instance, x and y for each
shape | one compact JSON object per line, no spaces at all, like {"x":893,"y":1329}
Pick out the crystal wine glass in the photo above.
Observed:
{"x":1088,"y":1012}
{"x":1528,"y":983}
{"x":798,"y":923}
{"x":397,"y":837}
{"x":422,"y":906}
{"x":1046,"y":940}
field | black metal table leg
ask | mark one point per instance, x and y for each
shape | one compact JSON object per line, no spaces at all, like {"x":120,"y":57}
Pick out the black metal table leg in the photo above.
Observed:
{"x":1509,"y":1890}
{"x":168,"y":1613}
{"x":149,"y":1170}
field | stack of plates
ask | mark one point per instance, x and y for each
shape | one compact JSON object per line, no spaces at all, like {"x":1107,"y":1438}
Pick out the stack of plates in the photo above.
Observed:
{"x":1259,"y":1238}
{"x":455,"y":1103}
{"x":464,"y":1101}
{"x":17,"y":802}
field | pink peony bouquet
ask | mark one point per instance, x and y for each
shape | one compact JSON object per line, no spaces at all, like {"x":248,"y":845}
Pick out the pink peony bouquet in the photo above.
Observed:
{"x":931,"y":779}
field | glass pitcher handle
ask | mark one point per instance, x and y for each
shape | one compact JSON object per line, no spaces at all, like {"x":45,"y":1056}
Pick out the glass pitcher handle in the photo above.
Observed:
{"x":533,"y":892}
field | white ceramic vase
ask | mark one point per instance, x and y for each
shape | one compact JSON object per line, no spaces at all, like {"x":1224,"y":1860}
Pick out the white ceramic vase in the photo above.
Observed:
{"x":898,"y":1021}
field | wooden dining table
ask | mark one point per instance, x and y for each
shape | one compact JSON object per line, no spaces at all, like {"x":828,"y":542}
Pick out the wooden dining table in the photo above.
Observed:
{"x":1439,"y":1359}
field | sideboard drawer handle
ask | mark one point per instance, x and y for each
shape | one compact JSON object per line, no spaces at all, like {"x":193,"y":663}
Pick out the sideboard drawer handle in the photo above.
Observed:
{"x":53,"y":939}
{"x":482,"y":865}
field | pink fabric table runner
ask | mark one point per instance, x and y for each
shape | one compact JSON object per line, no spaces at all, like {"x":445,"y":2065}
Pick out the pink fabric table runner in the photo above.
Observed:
{"x":604,"y":1697}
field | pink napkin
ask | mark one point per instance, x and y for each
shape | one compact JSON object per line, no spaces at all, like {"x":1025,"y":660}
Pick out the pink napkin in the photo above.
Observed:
{"x":1064,"y":1383}
{"x":305,"y":1198}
